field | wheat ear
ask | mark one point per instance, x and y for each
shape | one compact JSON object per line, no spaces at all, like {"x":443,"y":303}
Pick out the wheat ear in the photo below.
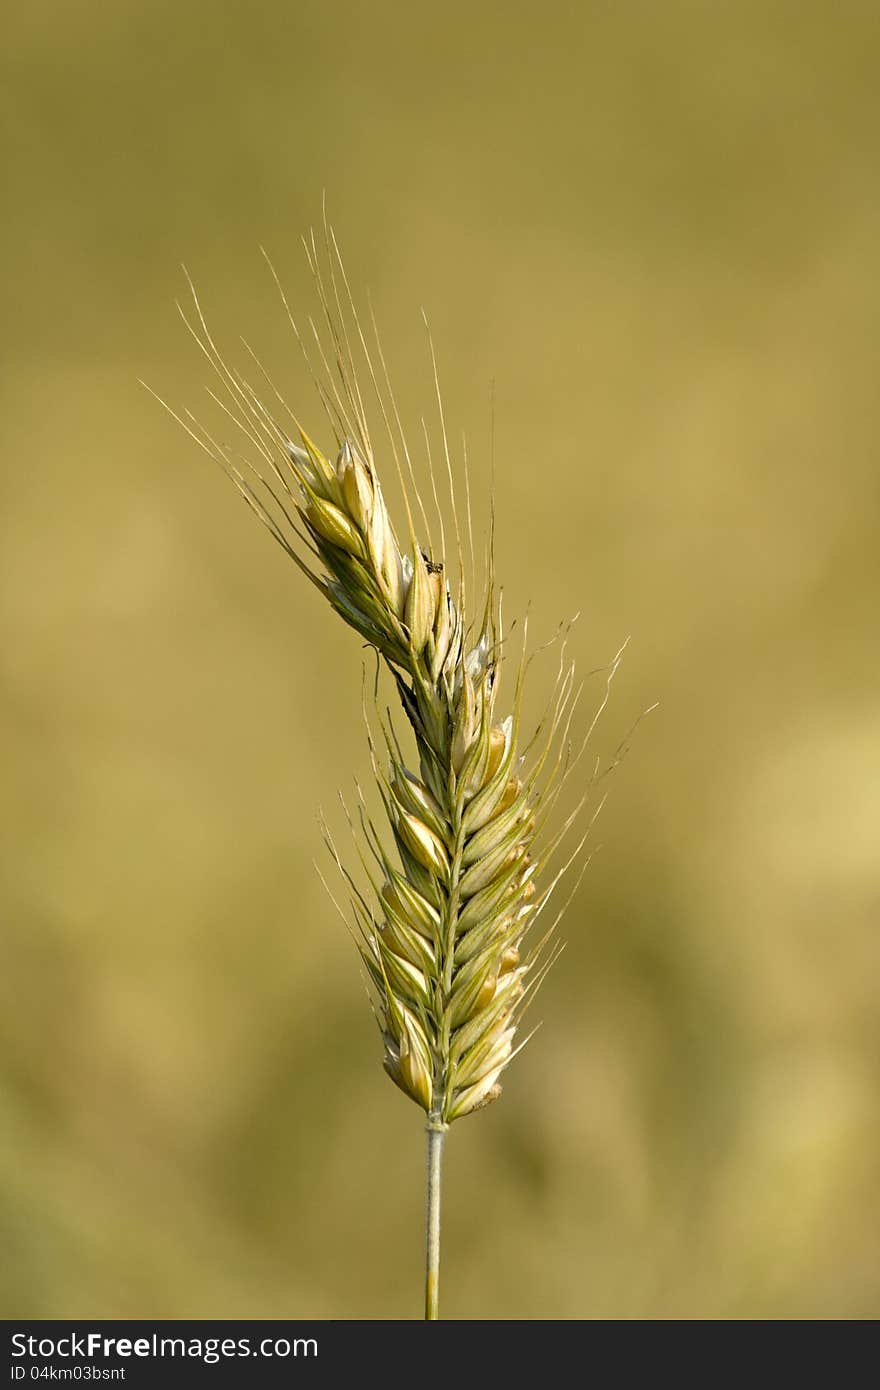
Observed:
{"x":441,"y":926}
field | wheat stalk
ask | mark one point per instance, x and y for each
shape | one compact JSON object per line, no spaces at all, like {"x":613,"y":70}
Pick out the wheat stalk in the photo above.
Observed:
{"x":444,"y":912}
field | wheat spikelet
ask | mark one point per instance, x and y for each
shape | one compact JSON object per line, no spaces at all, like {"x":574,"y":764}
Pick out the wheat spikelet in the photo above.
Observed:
{"x":444,"y":915}
{"x":442,"y":928}
{"x":441,"y":938}
{"x":445,"y":911}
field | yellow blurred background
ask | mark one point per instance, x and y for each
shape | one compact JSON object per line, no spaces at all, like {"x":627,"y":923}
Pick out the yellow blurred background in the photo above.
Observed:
{"x":655,"y":229}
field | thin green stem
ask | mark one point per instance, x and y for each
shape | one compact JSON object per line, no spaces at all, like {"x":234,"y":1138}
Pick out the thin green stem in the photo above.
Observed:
{"x":436,"y":1133}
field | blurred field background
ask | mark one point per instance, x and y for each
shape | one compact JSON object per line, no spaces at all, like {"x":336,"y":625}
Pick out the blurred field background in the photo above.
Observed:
{"x":655,"y":228}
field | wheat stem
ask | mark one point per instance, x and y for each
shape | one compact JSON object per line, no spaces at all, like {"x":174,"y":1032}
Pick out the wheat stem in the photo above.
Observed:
{"x":436,"y":1132}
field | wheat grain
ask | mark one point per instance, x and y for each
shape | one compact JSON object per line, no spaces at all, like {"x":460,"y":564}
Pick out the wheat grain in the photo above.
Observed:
{"x":442,"y":929}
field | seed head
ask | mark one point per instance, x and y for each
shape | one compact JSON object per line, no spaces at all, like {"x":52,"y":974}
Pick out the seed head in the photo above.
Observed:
{"x":453,"y":889}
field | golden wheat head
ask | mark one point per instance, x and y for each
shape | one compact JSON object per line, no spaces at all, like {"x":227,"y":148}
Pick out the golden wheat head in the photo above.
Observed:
{"x":445,"y":914}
